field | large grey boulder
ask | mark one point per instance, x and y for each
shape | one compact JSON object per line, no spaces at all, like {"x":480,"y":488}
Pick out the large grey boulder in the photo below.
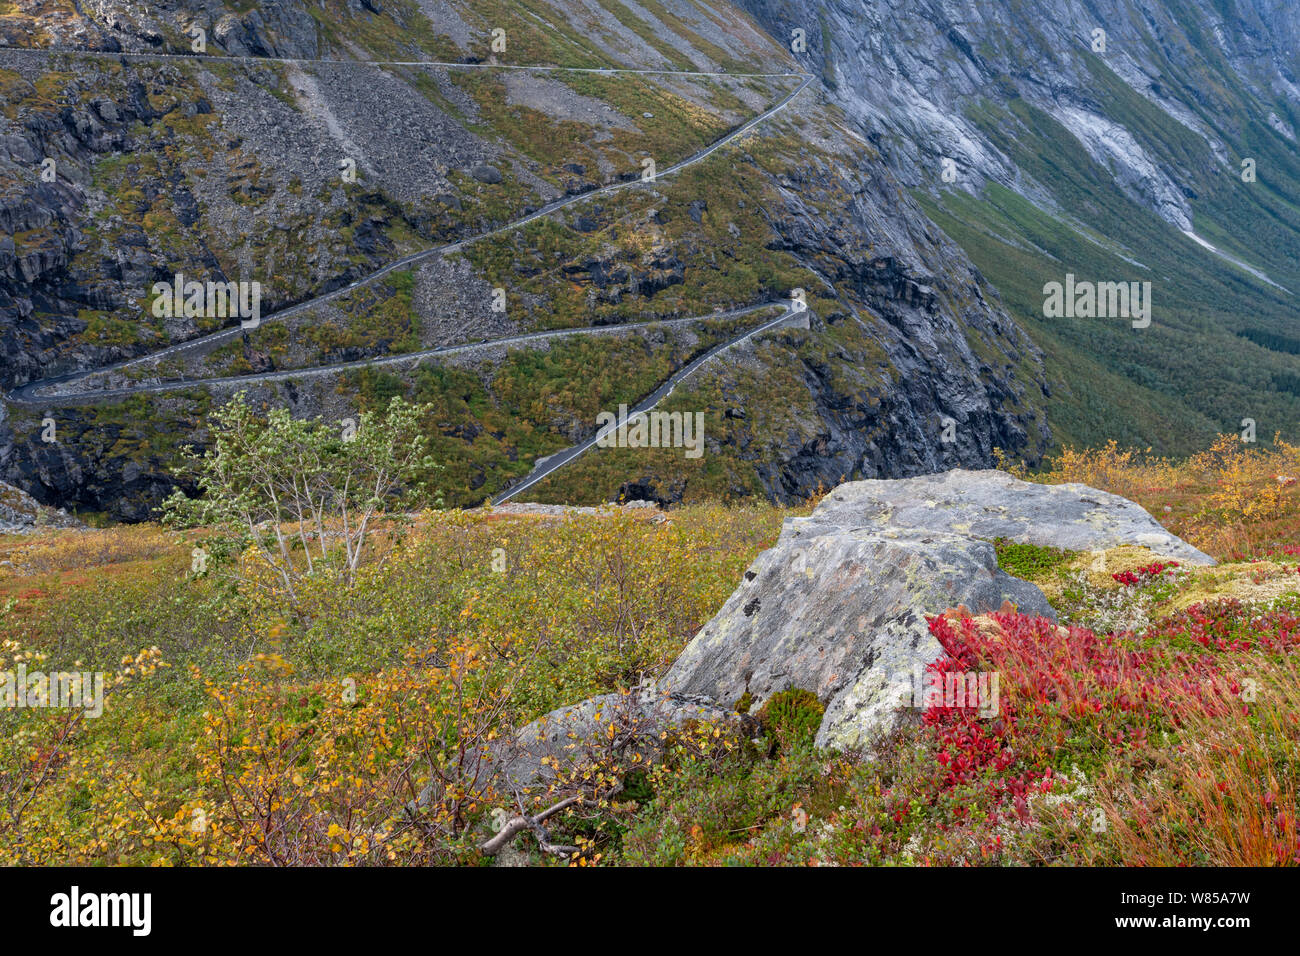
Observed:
{"x":838,"y":606}
{"x":992,"y":504}
{"x":841,"y":612}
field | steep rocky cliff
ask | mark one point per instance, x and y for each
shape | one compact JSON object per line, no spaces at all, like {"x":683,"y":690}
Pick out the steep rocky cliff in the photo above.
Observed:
{"x":910,"y":70}
{"x":1116,"y":140}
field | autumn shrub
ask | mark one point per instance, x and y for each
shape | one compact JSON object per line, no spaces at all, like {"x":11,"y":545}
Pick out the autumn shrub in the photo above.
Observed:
{"x":1124,"y":471}
{"x":77,"y":550}
{"x":1249,"y":483}
{"x":246,"y":749}
{"x":191,"y":621}
{"x":791,"y":718}
{"x":609,"y":600}
{"x":392,"y":768}
{"x":37,"y":743}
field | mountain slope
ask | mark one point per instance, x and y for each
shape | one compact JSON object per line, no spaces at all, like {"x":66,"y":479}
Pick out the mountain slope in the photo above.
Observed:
{"x":1089,"y":138}
{"x":226,"y":169}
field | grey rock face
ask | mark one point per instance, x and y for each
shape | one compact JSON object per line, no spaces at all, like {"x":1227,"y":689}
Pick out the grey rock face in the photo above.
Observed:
{"x":993,"y":504}
{"x":921,"y":338}
{"x":20,"y":513}
{"x":841,"y":611}
{"x":951,"y":349}
{"x":294,"y":122}
{"x":908,"y":71}
{"x":839,"y":605}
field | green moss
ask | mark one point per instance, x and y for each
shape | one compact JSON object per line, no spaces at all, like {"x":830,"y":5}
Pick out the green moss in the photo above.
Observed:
{"x":828,"y":56}
{"x":1030,"y":562}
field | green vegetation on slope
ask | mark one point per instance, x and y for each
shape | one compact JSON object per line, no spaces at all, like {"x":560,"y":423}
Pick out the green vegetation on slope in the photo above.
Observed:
{"x":1195,"y":371}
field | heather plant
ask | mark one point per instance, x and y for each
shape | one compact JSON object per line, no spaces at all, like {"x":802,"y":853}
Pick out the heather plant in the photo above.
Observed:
{"x":1104,"y":751}
{"x":791,"y":718}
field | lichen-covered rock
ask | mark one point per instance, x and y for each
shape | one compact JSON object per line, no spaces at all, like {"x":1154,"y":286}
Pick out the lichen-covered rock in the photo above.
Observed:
{"x":841,"y":612}
{"x":993,"y":504}
{"x":839,"y":605}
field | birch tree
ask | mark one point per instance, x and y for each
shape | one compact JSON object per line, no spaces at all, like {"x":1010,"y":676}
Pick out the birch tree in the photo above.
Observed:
{"x":304,"y":494}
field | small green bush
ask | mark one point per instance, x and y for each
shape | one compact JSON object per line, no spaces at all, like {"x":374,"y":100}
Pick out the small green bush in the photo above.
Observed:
{"x":792,"y":717}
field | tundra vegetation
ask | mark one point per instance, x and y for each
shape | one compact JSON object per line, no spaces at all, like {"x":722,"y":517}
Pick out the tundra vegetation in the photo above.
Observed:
{"x":287,"y":699}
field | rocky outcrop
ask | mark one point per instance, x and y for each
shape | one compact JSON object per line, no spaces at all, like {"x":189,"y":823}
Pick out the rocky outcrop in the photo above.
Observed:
{"x":20,"y":513}
{"x":993,"y":504}
{"x":922,"y":343}
{"x":283,"y":29}
{"x":840,"y":611}
{"x":839,"y":605}
{"x":85,"y":248}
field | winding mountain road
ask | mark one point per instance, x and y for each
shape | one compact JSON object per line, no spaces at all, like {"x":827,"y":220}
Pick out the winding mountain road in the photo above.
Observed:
{"x":327,"y":61}
{"x":60,"y":390}
{"x":545,"y":466}
{"x":402,"y":358}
